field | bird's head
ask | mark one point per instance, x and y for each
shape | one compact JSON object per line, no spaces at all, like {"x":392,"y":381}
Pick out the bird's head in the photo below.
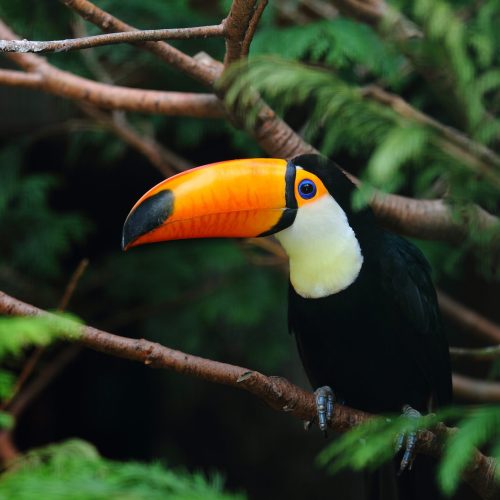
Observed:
{"x":303,"y":201}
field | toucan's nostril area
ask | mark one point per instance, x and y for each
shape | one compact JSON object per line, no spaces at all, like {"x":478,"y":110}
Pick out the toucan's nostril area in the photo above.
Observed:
{"x":150,"y":214}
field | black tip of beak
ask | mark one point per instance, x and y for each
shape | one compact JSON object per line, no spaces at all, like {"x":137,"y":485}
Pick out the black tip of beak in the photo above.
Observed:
{"x":150,"y":214}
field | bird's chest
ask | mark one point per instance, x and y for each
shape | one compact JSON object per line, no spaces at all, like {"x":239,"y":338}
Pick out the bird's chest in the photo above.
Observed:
{"x":347,"y":341}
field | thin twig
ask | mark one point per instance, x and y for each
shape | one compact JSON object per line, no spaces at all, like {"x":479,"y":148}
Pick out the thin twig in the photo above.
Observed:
{"x":277,"y":392}
{"x":36,"y":386}
{"x":33,"y":389}
{"x":165,"y":161}
{"x":72,"y":284}
{"x":236,"y":26}
{"x":87,"y":42}
{"x":252,"y":27}
{"x":479,"y":353}
{"x":172,"y":56}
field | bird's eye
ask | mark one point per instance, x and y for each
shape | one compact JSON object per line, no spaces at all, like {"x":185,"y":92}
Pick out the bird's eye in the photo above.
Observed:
{"x":307,"y":189}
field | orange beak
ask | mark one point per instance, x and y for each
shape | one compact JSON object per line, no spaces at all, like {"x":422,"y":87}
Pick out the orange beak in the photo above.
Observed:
{"x":230,"y":199}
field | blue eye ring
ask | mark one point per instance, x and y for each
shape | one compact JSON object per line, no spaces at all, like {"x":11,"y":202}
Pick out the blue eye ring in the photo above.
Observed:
{"x":307,"y":189}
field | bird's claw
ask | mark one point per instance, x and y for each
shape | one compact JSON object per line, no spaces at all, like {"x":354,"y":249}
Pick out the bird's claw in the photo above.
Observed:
{"x":408,"y":440}
{"x":325,"y":400}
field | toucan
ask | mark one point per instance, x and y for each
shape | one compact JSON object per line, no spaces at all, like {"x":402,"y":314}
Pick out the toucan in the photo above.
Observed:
{"x":361,"y":303}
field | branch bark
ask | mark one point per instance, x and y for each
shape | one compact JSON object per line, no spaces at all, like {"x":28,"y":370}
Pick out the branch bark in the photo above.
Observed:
{"x":87,"y":42}
{"x":468,"y":319}
{"x":475,"y":390}
{"x":14,"y":78}
{"x":277,"y":392}
{"x":43,"y":76}
{"x":163,"y":50}
{"x":240,"y":26}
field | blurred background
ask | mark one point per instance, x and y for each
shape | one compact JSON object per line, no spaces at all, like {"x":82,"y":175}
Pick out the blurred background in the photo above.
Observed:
{"x":68,"y":179}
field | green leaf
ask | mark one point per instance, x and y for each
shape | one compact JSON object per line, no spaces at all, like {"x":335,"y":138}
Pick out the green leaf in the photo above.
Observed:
{"x":400,"y":145}
{"x":7,"y":382}
{"x":17,"y":333}
{"x":477,"y":428}
{"x":75,"y":470}
{"x":7,"y":421}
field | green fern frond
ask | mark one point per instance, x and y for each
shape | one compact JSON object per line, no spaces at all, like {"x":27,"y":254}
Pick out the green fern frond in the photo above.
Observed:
{"x":341,"y":43}
{"x":17,"y":333}
{"x":400,"y":145}
{"x":372,"y":443}
{"x":74,"y":469}
{"x":7,"y":382}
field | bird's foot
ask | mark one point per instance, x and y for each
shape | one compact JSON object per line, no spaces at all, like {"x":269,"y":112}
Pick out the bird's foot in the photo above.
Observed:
{"x":325,"y":400}
{"x":408,"y":440}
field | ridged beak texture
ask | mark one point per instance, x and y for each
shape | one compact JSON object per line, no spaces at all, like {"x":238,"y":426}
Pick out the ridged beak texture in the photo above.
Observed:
{"x":230,"y":199}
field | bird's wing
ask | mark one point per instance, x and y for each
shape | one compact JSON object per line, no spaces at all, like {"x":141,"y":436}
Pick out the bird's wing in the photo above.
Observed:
{"x":407,"y":279}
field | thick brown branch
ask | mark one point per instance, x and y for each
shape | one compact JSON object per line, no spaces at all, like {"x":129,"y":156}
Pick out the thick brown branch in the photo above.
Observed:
{"x":468,"y":319}
{"x":275,"y":391}
{"x":62,"y":83}
{"x":478,"y":391}
{"x":163,"y":50}
{"x":430,"y":219}
{"x":20,"y":79}
{"x":88,"y":42}
{"x":240,"y":26}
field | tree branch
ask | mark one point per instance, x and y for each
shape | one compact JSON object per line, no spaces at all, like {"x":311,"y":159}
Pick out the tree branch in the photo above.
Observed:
{"x":468,"y":319}
{"x":475,"y":155}
{"x":479,"y":353}
{"x":163,"y":50}
{"x":62,"y":83}
{"x":239,"y":27}
{"x":165,"y":161}
{"x":475,"y":390}
{"x":14,"y":78}
{"x":277,"y":392}
{"x":88,"y":42}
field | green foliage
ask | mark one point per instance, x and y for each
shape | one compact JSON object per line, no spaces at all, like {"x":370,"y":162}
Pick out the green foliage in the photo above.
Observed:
{"x":7,"y":382}
{"x":372,"y":443}
{"x":479,"y":427}
{"x":6,"y":421}
{"x":74,"y":469}
{"x":199,"y":296}
{"x":399,"y":146}
{"x":17,"y":333}
{"x":342,"y":43}
{"x":38,"y":236}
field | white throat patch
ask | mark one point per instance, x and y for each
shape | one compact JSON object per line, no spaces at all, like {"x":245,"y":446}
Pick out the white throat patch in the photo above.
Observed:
{"x":325,"y":256}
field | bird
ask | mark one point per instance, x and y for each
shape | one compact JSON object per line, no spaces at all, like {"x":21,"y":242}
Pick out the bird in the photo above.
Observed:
{"x":361,"y":302}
